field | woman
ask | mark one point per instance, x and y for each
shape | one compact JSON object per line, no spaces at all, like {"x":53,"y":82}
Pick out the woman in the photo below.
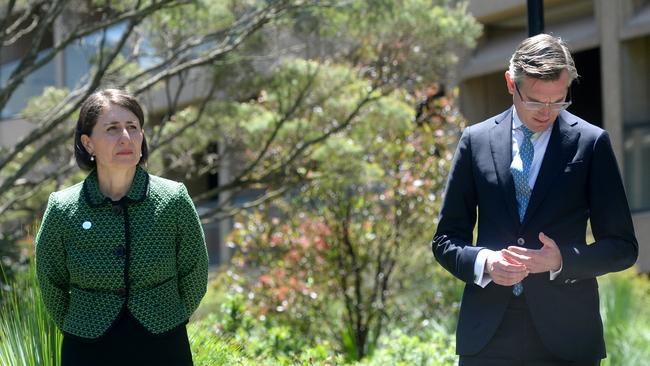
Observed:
{"x":120,"y":257}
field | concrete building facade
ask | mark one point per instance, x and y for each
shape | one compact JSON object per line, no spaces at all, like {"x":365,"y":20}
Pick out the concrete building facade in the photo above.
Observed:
{"x":610,"y":41}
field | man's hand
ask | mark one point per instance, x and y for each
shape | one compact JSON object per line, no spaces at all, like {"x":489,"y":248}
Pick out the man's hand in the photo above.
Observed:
{"x":546,"y":259}
{"x":503,"y":271}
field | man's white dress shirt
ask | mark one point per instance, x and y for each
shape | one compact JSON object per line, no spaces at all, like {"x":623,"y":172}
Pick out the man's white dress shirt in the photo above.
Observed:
{"x":540,"y":142}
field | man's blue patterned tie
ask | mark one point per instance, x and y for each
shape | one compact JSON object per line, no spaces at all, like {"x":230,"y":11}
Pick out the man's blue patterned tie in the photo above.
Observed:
{"x":522,"y":189}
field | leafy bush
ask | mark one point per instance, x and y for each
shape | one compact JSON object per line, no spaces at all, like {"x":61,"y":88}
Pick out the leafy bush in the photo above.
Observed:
{"x":228,"y":333}
{"x":210,"y":349}
{"x":624,"y":307}
{"x":435,"y":348}
{"x":254,"y":340}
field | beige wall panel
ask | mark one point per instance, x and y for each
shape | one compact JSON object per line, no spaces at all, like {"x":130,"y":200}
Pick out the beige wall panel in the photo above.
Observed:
{"x":484,"y":96}
{"x":642,"y":228}
{"x":636,"y":80}
{"x":12,"y":131}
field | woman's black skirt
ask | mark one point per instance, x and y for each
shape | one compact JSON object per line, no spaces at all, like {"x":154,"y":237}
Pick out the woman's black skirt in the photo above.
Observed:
{"x":128,"y":343}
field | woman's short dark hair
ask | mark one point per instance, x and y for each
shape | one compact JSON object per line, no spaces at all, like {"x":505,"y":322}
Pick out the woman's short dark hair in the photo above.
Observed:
{"x":90,"y":111}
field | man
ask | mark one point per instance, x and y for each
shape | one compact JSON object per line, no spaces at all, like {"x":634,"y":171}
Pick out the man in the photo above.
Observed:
{"x":532,"y":176}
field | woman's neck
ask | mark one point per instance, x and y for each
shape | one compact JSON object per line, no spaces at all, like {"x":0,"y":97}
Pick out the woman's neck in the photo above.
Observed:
{"x":115,"y":183}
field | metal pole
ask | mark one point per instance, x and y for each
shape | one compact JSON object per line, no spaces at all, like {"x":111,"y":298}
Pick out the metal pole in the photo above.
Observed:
{"x":535,"y":17}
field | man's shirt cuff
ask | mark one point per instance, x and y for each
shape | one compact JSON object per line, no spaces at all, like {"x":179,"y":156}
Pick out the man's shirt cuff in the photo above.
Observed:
{"x":554,"y":274}
{"x":480,"y":277}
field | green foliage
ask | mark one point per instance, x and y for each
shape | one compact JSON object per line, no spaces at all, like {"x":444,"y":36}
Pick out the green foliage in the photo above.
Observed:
{"x":433,"y":347}
{"x":233,"y":336}
{"x":350,"y":234}
{"x":300,"y":101}
{"x":49,"y":99}
{"x":427,"y":292}
{"x":626,"y":318}
{"x":255,"y":340}
{"x":28,"y":337}
{"x":400,"y":41}
{"x":170,"y":28}
{"x":210,"y":349}
{"x":625,"y":314}
{"x":120,"y":70}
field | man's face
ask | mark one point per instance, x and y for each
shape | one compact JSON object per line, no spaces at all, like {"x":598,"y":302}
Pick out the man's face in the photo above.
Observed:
{"x":541,"y":91}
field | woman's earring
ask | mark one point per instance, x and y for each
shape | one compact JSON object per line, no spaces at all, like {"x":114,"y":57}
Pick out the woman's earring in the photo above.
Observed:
{"x":92,"y":157}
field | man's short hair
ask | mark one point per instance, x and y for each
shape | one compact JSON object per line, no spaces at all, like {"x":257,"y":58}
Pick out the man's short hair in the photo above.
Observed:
{"x":542,"y":57}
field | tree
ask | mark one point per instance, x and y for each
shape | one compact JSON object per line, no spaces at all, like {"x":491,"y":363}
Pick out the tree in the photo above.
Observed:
{"x":225,"y":56}
{"x":147,"y":47}
{"x":348,"y":240}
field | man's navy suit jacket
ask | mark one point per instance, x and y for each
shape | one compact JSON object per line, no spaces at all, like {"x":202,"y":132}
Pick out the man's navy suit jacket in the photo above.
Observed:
{"x":578,"y":181}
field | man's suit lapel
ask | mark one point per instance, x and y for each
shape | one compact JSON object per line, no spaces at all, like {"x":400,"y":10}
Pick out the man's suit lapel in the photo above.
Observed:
{"x":561,"y":147}
{"x":501,"y":146}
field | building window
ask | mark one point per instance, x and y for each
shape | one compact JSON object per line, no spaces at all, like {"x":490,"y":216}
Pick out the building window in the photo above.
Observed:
{"x":637,"y":166}
{"x":32,"y":85}
{"x":78,"y":59}
{"x":82,"y":55}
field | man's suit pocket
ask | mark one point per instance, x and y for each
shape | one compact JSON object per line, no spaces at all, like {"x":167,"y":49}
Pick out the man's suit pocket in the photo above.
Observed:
{"x":575,"y":285}
{"x":573,"y":166}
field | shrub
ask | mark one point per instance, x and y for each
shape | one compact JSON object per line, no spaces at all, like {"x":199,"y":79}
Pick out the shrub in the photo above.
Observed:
{"x":211,"y":349}
{"x":626,"y":317}
{"x":435,"y":348}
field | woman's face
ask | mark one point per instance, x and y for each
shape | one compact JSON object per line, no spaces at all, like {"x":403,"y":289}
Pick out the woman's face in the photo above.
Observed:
{"x":116,"y":139}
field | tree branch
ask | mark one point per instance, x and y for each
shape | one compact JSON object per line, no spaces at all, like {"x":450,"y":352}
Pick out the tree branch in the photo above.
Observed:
{"x":278,"y":125}
{"x":219,"y":212}
{"x":12,"y":31}
{"x":4,"y":20}
{"x":45,"y":129}
{"x":28,"y":64}
{"x":156,"y":145}
{"x":239,"y":32}
{"x":302,"y":147}
{"x":241,"y":180}
{"x":29,"y":59}
{"x":33,"y":159}
{"x":36,"y":188}
{"x":343,"y":275}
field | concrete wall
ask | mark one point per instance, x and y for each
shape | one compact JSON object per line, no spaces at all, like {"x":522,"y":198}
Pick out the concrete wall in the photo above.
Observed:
{"x":13,"y":130}
{"x":483,"y":97}
{"x":636,"y":80}
{"x":642,"y":228}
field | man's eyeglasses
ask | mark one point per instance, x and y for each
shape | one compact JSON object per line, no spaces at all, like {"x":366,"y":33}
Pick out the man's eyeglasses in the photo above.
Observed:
{"x":538,"y":106}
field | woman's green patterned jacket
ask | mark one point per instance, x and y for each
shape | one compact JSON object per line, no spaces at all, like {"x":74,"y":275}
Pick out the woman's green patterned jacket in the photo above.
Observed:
{"x":145,"y":253}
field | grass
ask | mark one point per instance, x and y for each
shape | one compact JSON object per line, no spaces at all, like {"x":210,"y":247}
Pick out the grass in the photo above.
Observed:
{"x":28,"y":337}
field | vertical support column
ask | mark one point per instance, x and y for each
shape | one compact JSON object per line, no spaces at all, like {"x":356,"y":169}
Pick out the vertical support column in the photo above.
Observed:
{"x":535,"y":17}
{"x":609,"y":17}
